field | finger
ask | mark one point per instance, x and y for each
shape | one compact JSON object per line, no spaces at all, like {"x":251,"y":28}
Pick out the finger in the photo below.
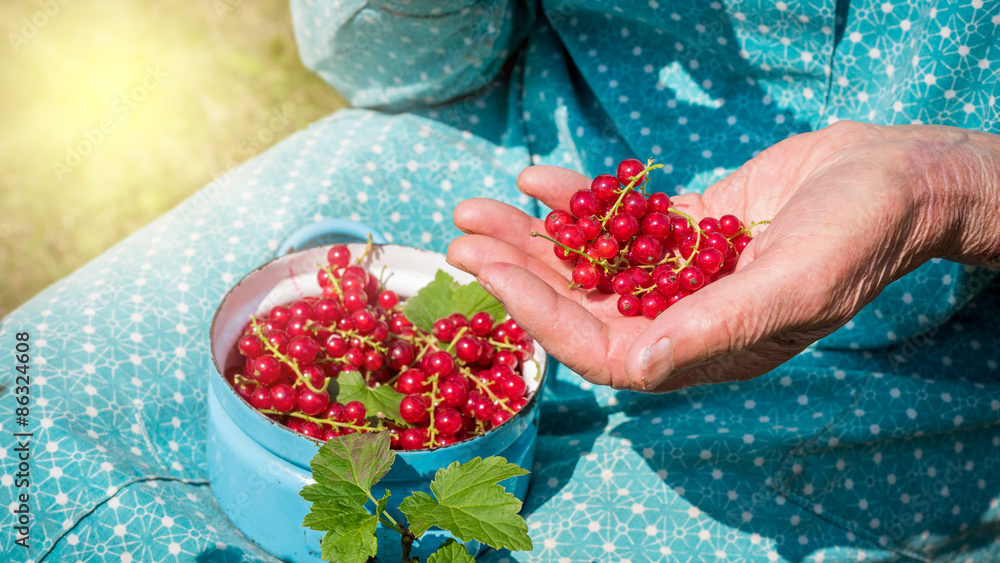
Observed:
{"x":563,"y":327}
{"x":730,"y":315}
{"x":552,"y":185}
{"x":744,"y":365}
{"x":504,"y":222}
{"x":473,"y":252}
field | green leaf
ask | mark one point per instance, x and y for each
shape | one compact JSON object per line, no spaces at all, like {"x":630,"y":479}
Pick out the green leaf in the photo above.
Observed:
{"x":427,"y":305}
{"x":451,"y":552}
{"x":345,"y":469}
{"x":351,"y":535}
{"x":444,"y":296}
{"x":470,"y":504}
{"x":472,"y":298}
{"x":382,"y":502}
{"x":382,"y":399}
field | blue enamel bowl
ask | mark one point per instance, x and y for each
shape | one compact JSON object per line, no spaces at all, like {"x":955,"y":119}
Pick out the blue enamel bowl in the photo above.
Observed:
{"x":257,"y":467}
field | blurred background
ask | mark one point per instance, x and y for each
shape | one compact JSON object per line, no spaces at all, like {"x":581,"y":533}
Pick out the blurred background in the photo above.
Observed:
{"x":112,"y":113}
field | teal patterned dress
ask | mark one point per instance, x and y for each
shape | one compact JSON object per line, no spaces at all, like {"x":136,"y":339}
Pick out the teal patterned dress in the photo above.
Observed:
{"x":879,"y":443}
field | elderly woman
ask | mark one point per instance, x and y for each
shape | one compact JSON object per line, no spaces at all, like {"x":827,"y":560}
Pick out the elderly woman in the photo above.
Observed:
{"x":854,"y":406}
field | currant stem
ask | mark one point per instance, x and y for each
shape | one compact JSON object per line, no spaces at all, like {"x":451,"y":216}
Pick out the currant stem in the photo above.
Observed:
{"x":369,"y":247}
{"x":755,"y":224}
{"x":496,"y":400}
{"x":334,"y":283}
{"x":432,"y":434}
{"x":697,"y":232}
{"x":283,"y":358}
{"x":303,"y":416}
{"x":566,"y":248}
{"x":407,"y":541}
{"x":630,"y":186}
{"x":451,"y":345}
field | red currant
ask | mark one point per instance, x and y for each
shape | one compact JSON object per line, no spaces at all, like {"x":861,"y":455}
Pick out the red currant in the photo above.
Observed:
{"x":514,"y":386}
{"x":266,"y":369}
{"x":634,"y":204}
{"x":364,"y":320}
{"x":557,"y":220}
{"x":606,"y":188}
{"x":585,"y":275}
{"x":628,"y":305}
{"x":499,"y":417}
{"x":647,"y":250}
{"x":302,"y":309}
{"x":401,"y":354}
{"x":280,"y":315}
{"x":250,"y":346}
{"x":447,"y":421}
{"x":303,"y":349}
{"x":354,"y":412}
{"x":481,"y":324}
{"x":328,"y":311}
{"x":584,"y":203}
{"x":413,"y":409}
{"x":413,"y":438}
{"x":572,"y":236}
{"x":623,"y":226}
{"x":440,"y":363}
{"x":388,"y":299}
{"x":709,"y":260}
{"x":444,"y":330}
{"x":659,"y":202}
{"x":261,"y":398}
{"x":454,"y":391}
{"x":283,"y":397}
{"x":630,"y":172}
{"x":355,"y":299}
{"x":730,"y":225}
{"x":278,"y":340}
{"x":692,"y":278}
{"x":312,"y":403}
{"x":657,"y":225}
{"x":468,"y":349}
{"x":338,"y":256}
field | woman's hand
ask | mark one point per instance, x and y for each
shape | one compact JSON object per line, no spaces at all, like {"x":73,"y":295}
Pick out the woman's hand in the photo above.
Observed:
{"x":853,"y":207}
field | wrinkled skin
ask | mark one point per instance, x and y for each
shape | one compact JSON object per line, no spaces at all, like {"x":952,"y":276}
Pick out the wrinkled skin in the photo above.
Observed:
{"x":853,"y":207}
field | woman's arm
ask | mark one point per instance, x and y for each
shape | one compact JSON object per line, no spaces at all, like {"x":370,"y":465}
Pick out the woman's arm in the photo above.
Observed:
{"x":401,"y":55}
{"x":854,"y":207}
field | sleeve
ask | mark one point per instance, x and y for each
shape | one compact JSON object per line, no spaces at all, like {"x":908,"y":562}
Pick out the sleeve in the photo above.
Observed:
{"x":404,"y":54}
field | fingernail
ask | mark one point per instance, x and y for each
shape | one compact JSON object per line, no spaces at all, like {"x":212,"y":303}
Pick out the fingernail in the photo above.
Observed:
{"x":488,"y":288}
{"x":657,"y":363}
{"x":455,"y":263}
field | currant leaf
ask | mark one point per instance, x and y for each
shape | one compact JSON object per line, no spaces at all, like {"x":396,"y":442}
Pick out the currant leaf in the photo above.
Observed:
{"x":345,"y":470}
{"x":382,"y":399}
{"x":451,"y":552}
{"x":470,"y":504}
{"x":350,"y":532}
{"x":445,"y":296}
{"x":382,"y":503}
{"x":471,"y":298}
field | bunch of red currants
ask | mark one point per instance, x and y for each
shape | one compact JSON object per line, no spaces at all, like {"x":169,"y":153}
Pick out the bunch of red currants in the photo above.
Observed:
{"x":624,"y":241}
{"x":453,"y":383}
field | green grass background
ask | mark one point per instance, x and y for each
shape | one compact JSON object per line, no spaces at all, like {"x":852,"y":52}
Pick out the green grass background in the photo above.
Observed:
{"x":221,"y":70}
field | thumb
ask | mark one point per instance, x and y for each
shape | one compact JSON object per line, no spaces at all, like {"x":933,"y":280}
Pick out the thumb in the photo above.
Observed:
{"x":725,"y":318}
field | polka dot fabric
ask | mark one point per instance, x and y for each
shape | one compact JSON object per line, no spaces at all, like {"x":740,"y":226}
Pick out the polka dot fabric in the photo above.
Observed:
{"x":880,"y":443}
